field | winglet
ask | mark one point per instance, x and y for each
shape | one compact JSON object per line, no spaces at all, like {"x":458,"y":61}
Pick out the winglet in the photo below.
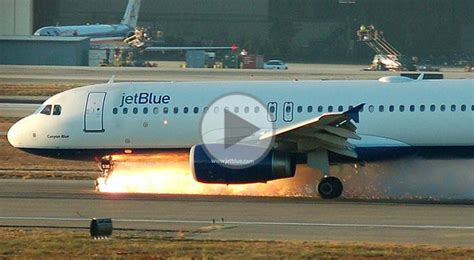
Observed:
{"x":353,"y":113}
{"x":111,"y":80}
{"x":421,"y":76}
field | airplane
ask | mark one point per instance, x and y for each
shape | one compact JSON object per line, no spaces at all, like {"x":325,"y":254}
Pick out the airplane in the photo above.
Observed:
{"x":126,"y":33}
{"x":99,"y":32}
{"x":320,"y":123}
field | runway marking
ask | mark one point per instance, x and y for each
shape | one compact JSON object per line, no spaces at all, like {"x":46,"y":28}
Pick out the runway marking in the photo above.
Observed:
{"x":253,"y":223}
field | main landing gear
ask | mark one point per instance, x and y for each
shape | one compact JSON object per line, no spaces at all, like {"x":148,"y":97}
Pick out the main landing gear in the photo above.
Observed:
{"x":330,"y":188}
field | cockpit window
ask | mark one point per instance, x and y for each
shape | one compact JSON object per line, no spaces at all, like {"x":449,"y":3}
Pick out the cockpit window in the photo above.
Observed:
{"x":57,"y":110}
{"x":46,"y":110}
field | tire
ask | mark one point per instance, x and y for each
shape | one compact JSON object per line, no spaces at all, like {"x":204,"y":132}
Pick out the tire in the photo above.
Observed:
{"x":330,"y":188}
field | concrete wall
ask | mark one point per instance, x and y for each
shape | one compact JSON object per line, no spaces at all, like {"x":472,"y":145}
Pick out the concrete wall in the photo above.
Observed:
{"x":16,"y":17}
{"x":37,"y":50}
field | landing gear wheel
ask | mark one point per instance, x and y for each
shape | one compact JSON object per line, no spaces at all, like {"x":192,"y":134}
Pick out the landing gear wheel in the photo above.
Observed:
{"x":330,"y":188}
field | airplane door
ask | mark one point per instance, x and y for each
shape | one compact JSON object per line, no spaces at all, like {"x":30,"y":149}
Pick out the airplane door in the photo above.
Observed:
{"x":288,"y":111}
{"x":94,"y":114}
{"x":272,"y":111}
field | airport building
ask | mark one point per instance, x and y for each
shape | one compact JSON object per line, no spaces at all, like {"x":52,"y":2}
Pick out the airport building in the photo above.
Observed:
{"x":321,"y":30}
{"x":16,"y":17}
{"x":28,"y":50}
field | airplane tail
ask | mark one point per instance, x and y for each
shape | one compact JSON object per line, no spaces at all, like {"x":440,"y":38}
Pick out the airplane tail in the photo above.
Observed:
{"x":130,"y":17}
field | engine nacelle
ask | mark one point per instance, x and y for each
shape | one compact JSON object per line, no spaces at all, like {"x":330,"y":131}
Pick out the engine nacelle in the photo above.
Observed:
{"x":129,"y":34}
{"x":275,"y":165}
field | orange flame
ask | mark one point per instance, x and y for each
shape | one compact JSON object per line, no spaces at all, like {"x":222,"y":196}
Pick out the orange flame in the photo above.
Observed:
{"x":169,"y":173}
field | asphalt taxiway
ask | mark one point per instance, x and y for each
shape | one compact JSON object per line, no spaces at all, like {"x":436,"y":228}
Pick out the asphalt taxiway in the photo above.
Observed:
{"x":171,"y":71}
{"x":60,"y":203}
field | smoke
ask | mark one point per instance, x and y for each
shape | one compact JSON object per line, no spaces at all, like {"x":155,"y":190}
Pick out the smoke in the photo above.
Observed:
{"x":410,"y":179}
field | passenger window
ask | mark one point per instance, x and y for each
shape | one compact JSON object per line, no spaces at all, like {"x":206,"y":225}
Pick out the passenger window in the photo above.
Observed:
{"x":391,"y":108}
{"x":340,"y":108}
{"x":412,"y":108}
{"x":309,"y":109}
{"x":472,"y":107}
{"x":371,"y":108}
{"x":115,"y":110}
{"x":155,"y":110}
{"x":256,"y":109}
{"x":236,"y":109}
{"x":463,"y":107}
{"x":56,"y":110}
{"x":46,"y":110}
{"x":165,"y":110}
{"x":351,"y":107}
{"x":216,"y":110}
{"x":175,"y":110}
{"x":299,"y":109}
{"x":205,"y":109}
{"x":432,"y":108}
{"x":145,"y":110}
{"x":125,"y":110}
{"x":185,"y":110}
{"x":196,"y":110}
{"x":246,"y":109}
{"x":226,"y":108}
{"x":329,"y":108}
{"x":442,"y":108}
{"x":453,"y":108}
{"x":402,"y":108}
{"x":381,"y":108}
{"x":135,"y":110}
{"x":422,"y":108}
{"x":320,"y":109}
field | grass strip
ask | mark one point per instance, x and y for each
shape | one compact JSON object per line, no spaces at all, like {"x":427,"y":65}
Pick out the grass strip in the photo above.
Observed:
{"x":35,"y":243}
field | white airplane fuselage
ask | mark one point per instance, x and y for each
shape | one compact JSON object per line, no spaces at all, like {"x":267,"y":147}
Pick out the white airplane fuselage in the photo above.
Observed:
{"x":93,"y":31}
{"x":98,"y":32}
{"x":435,"y":117}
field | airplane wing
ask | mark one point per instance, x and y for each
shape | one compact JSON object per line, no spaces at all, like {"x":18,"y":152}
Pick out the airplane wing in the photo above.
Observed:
{"x":328,"y":132}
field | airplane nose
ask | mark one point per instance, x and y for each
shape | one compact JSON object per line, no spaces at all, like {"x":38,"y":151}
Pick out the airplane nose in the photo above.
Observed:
{"x":13,"y":135}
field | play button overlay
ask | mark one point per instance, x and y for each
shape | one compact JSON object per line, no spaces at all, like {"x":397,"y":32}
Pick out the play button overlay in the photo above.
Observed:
{"x":230,"y":131}
{"x":236,"y":129}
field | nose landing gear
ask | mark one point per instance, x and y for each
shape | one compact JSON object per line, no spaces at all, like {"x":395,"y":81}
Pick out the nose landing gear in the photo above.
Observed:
{"x":330,"y":188}
{"x":105,"y":165}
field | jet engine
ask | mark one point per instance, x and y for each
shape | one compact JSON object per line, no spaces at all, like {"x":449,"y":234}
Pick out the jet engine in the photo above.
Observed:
{"x":274,"y":165}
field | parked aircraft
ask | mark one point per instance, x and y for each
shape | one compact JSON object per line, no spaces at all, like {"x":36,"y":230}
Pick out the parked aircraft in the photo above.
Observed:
{"x":125,"y":32}
{"x":99,"y":32}
{"x":315,"y":122}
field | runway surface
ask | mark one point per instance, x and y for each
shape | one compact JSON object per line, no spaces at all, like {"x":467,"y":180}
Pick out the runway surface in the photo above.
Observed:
{"x":170,"y":71}
{"x":17,"y":109}
{"x":72,"y":204}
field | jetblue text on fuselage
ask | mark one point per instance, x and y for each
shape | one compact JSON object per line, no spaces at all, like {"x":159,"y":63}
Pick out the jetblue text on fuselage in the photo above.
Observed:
{"x":143,"y":98}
